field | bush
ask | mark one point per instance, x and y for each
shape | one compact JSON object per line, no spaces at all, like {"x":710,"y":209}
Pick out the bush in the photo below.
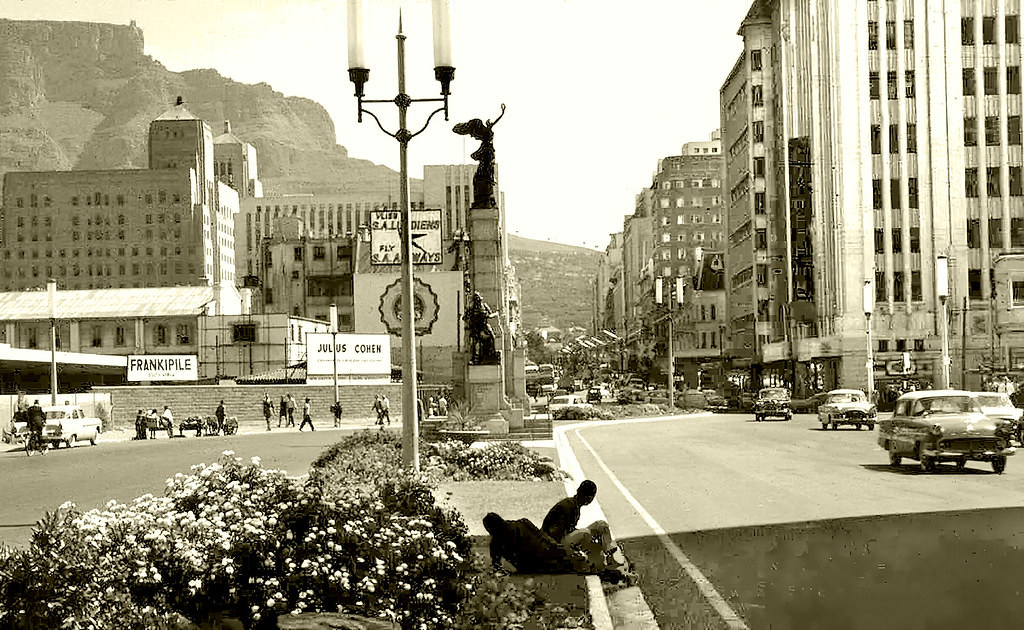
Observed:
{"x":236,"y":539}
{"x":581,"y":413}
{"x":501,"y":461}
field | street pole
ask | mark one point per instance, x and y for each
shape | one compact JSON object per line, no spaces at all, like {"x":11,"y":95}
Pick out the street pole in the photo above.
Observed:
{"x":671,"y":365}
{"x":334,"y":350}
{"x":359,"y":74}
{"x":942,"y":290}
{"x":869,"y":297}
{"x":51,"y":290}
{"x":963,"y":343}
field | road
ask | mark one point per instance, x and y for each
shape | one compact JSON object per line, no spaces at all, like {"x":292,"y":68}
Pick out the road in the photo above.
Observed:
{"x":796,"y":527}
{"x":90,"y":476}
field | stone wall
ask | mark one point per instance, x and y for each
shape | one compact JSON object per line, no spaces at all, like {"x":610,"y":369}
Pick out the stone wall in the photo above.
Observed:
{"x":245,"y":401}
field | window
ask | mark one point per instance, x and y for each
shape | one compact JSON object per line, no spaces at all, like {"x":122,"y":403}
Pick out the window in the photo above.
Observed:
{"x":876,"y":139}
{"x":974,"y":233}
{"x":915,"y":240}
{"x":160,"y":335}
{"x":759,"y":203}
{"x":759,"y":167}
{"x":183,"y":334}
{"x":897,"y":287}
{"x":894,"y":194}
{"x":1012,"y":31}
{"x":1013,"y":79}
{"x":879,"y":241}
{"x":970,"y":132}
{"x":1013,"y":130}
{"x":761,"y":239}
{"x":991,"y":79}
{"x":883,"y":345}
{"x":992,"y":130}
{"x":916,"y":294}
{"x":872,"y":35}
{"x":756,"y":96}
{"x":974,"y":284}
{"x":757,"y":129}
{"x":992,"y":184}
{"x":876,"y":194}
{"x":894,"y":139}
{"x":901,"y":345}
{"x":988,"y":30}
{"x":995,"y":233}
{"x":912,"y":192}
{"x":969,"y":82}
{"x":1016,"y":233}
{"x":967,"y":31}
{"x":1016,"y":189}
{"x":908,"y":33}
{"x":971,"y":182}
{"x":298,"y":253}
{"x":1018,"y":292}
{"x":912,"y":140}
{"x":97,"y":336}
{"x":897,"y":240}
{"x":880,"y":287}
{"x":295,"y":274}
{"x":319,"y":252}
{"x":919,"y":344}
{"x":890,"y":35}
{"x":755,"y":59}
{"x":245,"y":333}
{"x":873,"y":84}
{"x":909,"y":77}
{"x":892,"y":86}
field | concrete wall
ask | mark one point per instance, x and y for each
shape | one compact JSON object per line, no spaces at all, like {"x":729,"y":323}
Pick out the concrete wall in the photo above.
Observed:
{"x":245,"y":401}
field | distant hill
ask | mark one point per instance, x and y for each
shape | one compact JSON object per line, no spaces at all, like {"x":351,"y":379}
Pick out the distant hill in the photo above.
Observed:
{"x":556,"y":282}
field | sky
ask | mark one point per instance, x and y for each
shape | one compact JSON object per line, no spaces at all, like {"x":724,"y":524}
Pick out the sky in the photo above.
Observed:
{"x":597,"y":91}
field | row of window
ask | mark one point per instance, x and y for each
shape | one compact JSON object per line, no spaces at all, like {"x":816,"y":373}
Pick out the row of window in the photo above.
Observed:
{"x":897,"y":240}
{"x":995,"y":233}
{"x":96,"y":199}
{"x":894,"y":138}
{"x":99,"y":270}
{"x":695,"y":202}
{"x":988,"y":30}
{"x":890,"y":35}
{"x":99,"y":251}
{"x":913,"y":199}
{"x":695,"y":219}
{"x":899,"y":287}
{"x":712,"y":182}
{"x":901,"y":345}
{"x":992,"y":182}
{"x":892,"y":85}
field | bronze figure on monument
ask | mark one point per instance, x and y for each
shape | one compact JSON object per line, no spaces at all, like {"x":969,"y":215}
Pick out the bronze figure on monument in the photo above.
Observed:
{"x":483,"y":180}
{"x":481,"y":336}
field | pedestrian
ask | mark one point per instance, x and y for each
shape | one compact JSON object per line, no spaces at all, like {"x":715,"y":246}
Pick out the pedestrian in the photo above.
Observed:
{"x":595,"y":540}
{"x":219,"y":414}
{"x":378,"y":407}
{"x":36,"y":422}
{"x":140,"y":425}
{"x":442,"y":406}
{"x":291,"y":410}
{"x":529,"y":549}
{"x":432,"y":407}
{"x":307,"y":417}
{"x":336,"y":410}
{"x":267,"y":408}
{"x":386,"y":406}
{"x":282,"y":413}
{"x":168,"y":421}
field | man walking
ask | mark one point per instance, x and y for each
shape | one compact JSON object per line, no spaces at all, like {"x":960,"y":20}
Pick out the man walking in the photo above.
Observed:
{"x":386,"y":408}
{"x":291,"y":410}
{"x":168,"y":420}
{"x":219,"y":414}
{"x":336,"y":410}
{"x":36,"y":422}
{"x":595,"y":540}
{"x":282,"y":411}
{"x":307,"y":418}
{"x":378,"y":408}
{"x":268,"y":408}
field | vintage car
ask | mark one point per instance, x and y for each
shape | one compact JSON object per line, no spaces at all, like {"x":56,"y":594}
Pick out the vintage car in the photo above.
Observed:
{"x":562,"y":407}
{"x":595,"y":395}
{"x":772,"y":402}
{"x":715,"y":402}
{"x":999,"y":405}
{"x":67,"y":424}
{"x":933,"y":426}
{"x":847,"y":406}
{"x":809,"y":404}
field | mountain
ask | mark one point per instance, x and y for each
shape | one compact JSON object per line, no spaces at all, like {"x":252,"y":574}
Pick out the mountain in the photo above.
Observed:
{"x":556,"y":282}
{"x":81,"y":95}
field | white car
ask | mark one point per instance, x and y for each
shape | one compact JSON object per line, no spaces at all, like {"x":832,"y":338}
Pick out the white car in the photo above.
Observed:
{"x":67,"y":424}
{"x":997,"y":405}
{"x":847,"y":406}
{"x":560,"y":405}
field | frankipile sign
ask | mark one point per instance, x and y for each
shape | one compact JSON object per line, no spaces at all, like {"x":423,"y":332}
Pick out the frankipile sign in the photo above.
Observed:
{"x":162,"y":367}
{"x":357,"y":354}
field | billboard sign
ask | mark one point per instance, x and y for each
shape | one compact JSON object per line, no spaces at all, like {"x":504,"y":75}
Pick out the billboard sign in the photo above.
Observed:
{"x":386,"y":237}
{"x":163,"y":367}
{"x":361,"y":354}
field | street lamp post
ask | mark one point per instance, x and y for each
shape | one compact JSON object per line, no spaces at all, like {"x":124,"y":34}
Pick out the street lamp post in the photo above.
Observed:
{"x":334,"y":350}
{"x":869,"y":298}
{"x":51,"y":291}
{"x":942,"y":290}
{"x":359,"y":74}
{"x":659,"y":298}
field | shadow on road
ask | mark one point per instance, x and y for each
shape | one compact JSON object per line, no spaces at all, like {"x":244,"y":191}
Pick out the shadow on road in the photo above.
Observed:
{"x":930,"y":571}
{"x":915,"y":469}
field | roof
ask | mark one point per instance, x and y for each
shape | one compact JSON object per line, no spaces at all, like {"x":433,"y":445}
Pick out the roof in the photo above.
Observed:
{"x":846,"y":391}
{"x":928,"y":393}
{"x":106,"y":303}
{"x":228,"y":138}
{"x":178,"y":112}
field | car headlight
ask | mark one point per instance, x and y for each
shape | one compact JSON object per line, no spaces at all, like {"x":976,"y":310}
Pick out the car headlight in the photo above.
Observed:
{"x":936,"y":429}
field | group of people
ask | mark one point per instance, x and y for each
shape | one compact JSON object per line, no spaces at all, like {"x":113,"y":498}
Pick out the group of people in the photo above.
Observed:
{"x":286,"y":412}
{"x":559,"y":545}
{"x":382,"y":407}
{"x":148,"y":422}
{"x":437,"y":406}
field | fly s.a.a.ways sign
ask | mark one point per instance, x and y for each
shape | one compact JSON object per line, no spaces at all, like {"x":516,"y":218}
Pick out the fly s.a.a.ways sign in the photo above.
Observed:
{"x":386,"y":237}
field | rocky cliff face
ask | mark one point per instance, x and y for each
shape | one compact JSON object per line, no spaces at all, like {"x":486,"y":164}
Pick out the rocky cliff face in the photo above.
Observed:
{"x":78,"y":95}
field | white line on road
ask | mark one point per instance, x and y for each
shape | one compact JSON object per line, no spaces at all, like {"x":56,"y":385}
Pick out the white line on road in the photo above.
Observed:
{"x":728,"y":615}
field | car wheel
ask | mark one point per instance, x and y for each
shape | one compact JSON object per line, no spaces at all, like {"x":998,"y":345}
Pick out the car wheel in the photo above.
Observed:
{"x":961,"y":464}
{"x":999,"y":464}
{"x":927,"y":464}
{"x":824,"y":426}
{"x":92,"y":440}
{"x":858,"y":426}
{"x":834,"y":425}
{"x":894,"y":458}
{"x":871,"y":426}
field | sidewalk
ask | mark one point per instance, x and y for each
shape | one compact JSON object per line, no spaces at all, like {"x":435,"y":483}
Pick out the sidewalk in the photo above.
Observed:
{"x":247,"y":428}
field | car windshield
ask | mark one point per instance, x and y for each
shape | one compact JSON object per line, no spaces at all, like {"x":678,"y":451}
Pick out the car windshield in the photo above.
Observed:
{"x":561,"y":400}
{"x":56,"y":415}
{"x":944,"y":404}
{"x":847,"y":397}
{"x":774,"y":394}
{"x":994,"y":400}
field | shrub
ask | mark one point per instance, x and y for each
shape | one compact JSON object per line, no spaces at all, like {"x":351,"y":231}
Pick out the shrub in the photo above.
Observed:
{"x":581,"y":413}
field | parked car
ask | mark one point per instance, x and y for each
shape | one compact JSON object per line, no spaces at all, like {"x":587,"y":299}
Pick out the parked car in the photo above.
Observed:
{"x":772,"y":402}
{"x":560,"y":405}
{"x":67,"y":424}
{"x":715,"y":402}
{"x":595,"y":395}
{"x":934,"y":426}
{"x":809,"y":404}
{"x":847,"y":406}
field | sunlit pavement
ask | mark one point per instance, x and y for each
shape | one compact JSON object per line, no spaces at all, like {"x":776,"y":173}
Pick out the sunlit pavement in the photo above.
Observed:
{"x":781,"y":519}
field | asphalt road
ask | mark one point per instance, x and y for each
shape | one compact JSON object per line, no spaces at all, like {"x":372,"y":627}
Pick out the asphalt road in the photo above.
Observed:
{"x":89,"y":476}
{"x":796,"y":527}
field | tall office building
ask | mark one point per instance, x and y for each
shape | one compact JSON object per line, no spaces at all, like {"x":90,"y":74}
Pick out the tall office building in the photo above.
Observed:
{"x":862,"y":142}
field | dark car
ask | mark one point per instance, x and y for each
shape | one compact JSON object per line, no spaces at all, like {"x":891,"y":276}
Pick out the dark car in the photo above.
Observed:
{"x":594,"y":395}
{"x":934,"y":426}
{"x":772,"y":402}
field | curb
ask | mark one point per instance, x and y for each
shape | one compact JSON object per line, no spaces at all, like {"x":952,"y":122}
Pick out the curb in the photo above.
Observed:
{"x":126,"y":435}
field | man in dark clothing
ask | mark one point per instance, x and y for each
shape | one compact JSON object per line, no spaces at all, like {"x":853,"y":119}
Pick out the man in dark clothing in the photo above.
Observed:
{"x":336,"y":410}
{"x":529,"y":549}
{"x":219,"y":414}
{"x":595,"y":540}
{"x":36,"y":422}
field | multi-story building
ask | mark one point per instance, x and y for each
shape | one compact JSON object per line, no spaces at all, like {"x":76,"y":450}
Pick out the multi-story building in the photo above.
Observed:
{"x":895,"y":140}
{"x":235,"y":164}
{"x":637,"y":286}
{"x":170,"y":224}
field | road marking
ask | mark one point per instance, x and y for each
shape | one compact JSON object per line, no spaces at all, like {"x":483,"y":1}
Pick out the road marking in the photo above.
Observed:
{"x":728,"y":615}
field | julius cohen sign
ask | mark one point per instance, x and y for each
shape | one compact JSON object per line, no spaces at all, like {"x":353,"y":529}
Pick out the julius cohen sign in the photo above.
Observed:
{"x":386,"y":237}
{"x":357,"y":354}
{"x":162,"y":367}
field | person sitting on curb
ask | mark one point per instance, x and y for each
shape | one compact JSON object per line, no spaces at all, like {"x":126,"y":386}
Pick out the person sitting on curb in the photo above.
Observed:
{"x":530,"y":550}
{"x":595,"y":540}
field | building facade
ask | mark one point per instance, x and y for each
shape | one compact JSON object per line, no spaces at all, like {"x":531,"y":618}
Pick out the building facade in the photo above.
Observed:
{"x":170,"y":224}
